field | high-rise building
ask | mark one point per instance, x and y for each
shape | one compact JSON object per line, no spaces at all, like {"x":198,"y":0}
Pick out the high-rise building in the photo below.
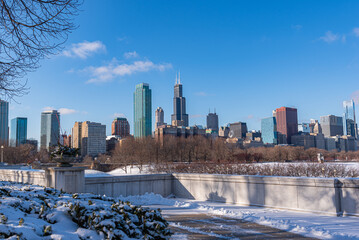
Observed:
{"x":212,"y":121}
{"x":304,"y":127}
{"x":160,"y":117}
{"x":18,"y":134}
{"x":93,"y":139}
{"x":331,"y":125}
{"x":237,"y":130}
{"x":50,"y":129}
{"x":66,"y":140}
{"x":349,"y":120}
{"x":120,"y":127}
{"x":76,"y":135}
{"x":4,"y":122}
{"x":287,"y":122}
{"x":179,"y":116}
{"x":142,"y":110}
{"x":269,"y":130}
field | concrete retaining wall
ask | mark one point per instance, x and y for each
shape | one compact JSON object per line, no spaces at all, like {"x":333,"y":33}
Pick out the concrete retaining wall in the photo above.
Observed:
{"x":130,"y":185}
{"x":321,"y":195}
{"x":36,"y":177}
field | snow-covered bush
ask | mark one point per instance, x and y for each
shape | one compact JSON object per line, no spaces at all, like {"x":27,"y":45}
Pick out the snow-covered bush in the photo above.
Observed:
{"x":33,"y":212}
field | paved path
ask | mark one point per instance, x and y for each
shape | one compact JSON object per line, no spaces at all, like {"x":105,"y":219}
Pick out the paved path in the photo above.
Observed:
{"x":203,"y":226}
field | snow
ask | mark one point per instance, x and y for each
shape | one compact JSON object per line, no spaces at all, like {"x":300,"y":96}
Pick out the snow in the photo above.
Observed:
{"x":306,"y":224}
{"x":34,"y":212}
{"x":128,"y":170}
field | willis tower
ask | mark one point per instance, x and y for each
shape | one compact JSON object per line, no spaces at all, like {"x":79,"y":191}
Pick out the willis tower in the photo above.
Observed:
{"x":179,"y":116}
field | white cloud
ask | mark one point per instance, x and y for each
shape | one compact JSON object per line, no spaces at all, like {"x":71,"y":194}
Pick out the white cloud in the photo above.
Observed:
{"x":202,"y":94}
{"x":128,"y":55}
{"x":48,"y":108}
{"x":297,"y":27}
{"x":330,"y":37}
{"x":67,"y":111}
{"x":356,"y":31}
{"x":114,"y":69}
{"x":84,"y":49}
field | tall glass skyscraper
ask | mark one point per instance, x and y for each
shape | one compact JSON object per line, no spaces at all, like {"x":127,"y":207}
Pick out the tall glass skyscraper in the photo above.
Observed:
{"x":349,"y":121}
{"x":18,"y":131}
{"x":142,"y":108}
{"x":179,"y":116}
{"x":269,"y":130}
{"x":50,"y":129}
{"x":4,"y":122}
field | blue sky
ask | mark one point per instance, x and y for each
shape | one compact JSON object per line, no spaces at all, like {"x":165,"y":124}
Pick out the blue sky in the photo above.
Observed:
{"x":244,"y":58}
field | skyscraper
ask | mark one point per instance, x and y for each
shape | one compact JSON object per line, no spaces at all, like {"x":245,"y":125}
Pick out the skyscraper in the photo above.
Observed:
{"x":76,"y":135}
{"x":142,"y":104}
{"x":269,"y":130}
{"x":160,"y":117}
{"x":331,"y":125}
{"x":179,"y":116}
{"x":18,"y":131}
{"x":93,"y":139}
{"x":212,"y":121}
{"x":287,"y":122}
{"x":237,"y":130}
{"x":50,"y":129}
{"x":349,"y":120}
{"x":4,"y":122}
{"x":120,"y":127}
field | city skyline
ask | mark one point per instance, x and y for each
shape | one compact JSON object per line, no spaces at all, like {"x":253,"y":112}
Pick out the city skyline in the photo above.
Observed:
{"x":219,"y":67}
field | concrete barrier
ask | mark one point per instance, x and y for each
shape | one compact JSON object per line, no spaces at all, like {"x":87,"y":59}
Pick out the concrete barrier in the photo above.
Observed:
{"x":333,"y":196}
{"x":130,"y":185}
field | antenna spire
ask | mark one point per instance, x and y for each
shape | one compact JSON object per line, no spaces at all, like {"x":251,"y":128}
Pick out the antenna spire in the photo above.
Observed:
{"x":179,"y":77}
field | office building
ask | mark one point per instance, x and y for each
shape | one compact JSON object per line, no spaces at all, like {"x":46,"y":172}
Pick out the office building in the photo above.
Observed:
{"x":160,"y":117}
{"x":66,"y":140}
{"x":287,"y":122}
{"x":254,"y":136}
{"x":269,"y":130}
{"x":76,"y":135}
{"x":4,"y":122}
{"x":349,"y":120}
{"x":304,"y":140}
{"x":142,"y":111}
{"x":120,"y":127}
{"x":331,"y":125}
{"x":212,"y":121}
{"x":223,"y":132}
{"x":314,"y":126}
{"x":304,"y":127}
{"x":18,"y":133}
{"x":237,"y":130}
{"x":93,"y":139}
{"x":50,"y":129}
{"x":179,"y":116}
{"x":178,"y":131}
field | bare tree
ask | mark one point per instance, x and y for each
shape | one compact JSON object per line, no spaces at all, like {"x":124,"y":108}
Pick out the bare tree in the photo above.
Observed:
{"x":29,"y":31}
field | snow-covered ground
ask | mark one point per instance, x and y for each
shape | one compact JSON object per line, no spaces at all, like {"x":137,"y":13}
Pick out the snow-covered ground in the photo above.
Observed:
{"x":306,"y":224}
{"x":34,"y":212}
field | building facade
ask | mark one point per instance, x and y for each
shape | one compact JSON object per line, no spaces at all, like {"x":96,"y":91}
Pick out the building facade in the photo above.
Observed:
{"x":93,"y":139}
{"x":142,"y":111}
{"x":120,"y":127}
{"x":349,"y":120}
{"x":76,"y":135}
{"x":4,"y":122}
{"x":269,"y":130}
{"x":18,"y":133}
{"x":50,"y":129}
{"x":237,"y":130}
{"x":287,"y":122}
{"x":331,"y":125}
{"x":304,"y":127}
{"x":179,"y":116}
{"x":212,"y":121}
{"x":160,"y":117}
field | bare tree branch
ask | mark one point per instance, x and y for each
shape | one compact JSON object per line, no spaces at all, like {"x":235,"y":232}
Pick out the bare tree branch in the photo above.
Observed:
{"x":29,"y":31}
